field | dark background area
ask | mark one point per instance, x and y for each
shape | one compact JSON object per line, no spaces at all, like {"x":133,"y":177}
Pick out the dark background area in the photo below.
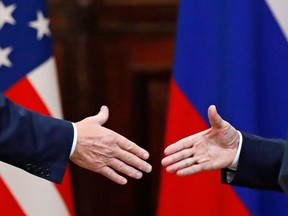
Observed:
{"x":118,"y":53}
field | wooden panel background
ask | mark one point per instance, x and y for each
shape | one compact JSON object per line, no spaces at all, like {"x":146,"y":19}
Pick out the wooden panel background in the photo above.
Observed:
{"x":117,"y":53}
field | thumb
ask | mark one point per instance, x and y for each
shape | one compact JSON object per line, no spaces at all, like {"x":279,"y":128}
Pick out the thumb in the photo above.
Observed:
{"x":103,"y":115}
{"x":214,"y":118}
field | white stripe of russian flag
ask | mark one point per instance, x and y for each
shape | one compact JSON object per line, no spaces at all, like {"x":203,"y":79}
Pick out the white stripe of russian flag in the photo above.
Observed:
{"x":279,"y":9}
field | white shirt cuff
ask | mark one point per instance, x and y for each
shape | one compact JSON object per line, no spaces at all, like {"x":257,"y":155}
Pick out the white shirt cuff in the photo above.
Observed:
{"x":234,"y":164}
{"x":74,"y":139}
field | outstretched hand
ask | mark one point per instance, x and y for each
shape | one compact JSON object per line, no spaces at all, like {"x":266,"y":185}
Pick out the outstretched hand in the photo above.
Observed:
{"x":211,"y":149}
{"x":106,"y":152}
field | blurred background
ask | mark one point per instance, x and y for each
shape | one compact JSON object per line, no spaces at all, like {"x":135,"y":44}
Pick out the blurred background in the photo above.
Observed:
{"x":118,"y":53}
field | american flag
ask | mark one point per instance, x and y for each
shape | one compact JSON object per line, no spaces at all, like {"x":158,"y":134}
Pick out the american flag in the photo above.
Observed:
{"x":28,"y":77}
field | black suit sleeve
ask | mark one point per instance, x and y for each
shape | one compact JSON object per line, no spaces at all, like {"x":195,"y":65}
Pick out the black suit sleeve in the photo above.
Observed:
{"x":36,"y":143}
{"x":259,"y":163}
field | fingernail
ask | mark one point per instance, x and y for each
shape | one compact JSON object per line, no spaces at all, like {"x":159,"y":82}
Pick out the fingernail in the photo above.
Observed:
{"x":148,"y":168}
{"x":139,"y":175}
{"x":181,"y":173}
{"x":124,"y":181}
{"x":146,"y":155}
{"x":169,"y":169}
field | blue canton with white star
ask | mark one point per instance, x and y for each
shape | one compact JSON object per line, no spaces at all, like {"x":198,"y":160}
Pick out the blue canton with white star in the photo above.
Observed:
{"x":24,"y":42}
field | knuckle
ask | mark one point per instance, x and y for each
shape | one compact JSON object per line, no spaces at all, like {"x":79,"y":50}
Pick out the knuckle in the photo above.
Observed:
{"x":187,"y":162}
{"x":101,"y":160}
{"x":181,"y":155}
{"x":109,"y":173}
{"x":110,"y":139}
{"x":129,"y":158}
{"x":183,"y":145}
{"x":120,"y":166}
{"x":106,"y":171}
{"x":129,"y":146}
{"x":176,"y":158}
{"x":100,"y":168}
{"x":110,"y":151}
{"x":98,"y":164}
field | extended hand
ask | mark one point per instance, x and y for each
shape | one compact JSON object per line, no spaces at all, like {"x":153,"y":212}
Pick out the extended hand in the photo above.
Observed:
{"x":214,"y":148}
{"x":103,"y":151}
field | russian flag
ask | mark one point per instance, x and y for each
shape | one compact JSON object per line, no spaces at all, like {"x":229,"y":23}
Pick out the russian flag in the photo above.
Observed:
{"x":28,"y":77}
{"x":234,"y":54}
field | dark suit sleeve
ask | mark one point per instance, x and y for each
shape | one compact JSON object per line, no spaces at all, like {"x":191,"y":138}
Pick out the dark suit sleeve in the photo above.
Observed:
{"x":36,"y":143}
{"x":259,"y":163}
{"x":283,"y":177}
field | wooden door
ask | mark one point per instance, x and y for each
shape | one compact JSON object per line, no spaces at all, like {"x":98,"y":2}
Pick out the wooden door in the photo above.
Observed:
{"x":118,"y":53}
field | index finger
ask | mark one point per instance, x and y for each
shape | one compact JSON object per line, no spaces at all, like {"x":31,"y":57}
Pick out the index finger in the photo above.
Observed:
{"x":187,"y":142}
{"x":176,"y":147}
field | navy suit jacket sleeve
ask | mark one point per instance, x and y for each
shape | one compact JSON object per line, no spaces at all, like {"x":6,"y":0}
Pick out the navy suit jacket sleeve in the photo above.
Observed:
{"x":260,"y":163}
{"x":35,"y":143}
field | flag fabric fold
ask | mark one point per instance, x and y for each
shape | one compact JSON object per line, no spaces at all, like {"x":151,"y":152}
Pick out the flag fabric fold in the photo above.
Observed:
{"x":233,"y":54}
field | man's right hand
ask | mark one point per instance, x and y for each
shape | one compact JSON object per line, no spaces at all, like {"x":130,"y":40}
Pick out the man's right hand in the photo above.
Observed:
{"x":211,"y":149}
{"x":104,"y":151}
